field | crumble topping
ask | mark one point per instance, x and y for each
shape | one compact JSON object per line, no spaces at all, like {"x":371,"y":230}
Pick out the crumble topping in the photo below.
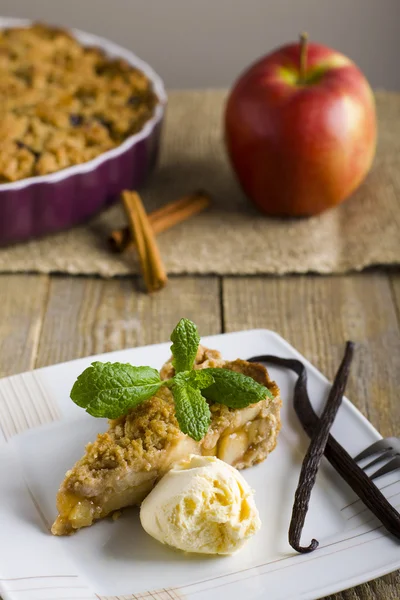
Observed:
{"x":61,"y":103}
{"x":135,"y":440}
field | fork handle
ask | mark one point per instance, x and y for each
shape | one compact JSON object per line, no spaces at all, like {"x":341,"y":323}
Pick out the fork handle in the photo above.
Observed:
{"x":341,"y":460}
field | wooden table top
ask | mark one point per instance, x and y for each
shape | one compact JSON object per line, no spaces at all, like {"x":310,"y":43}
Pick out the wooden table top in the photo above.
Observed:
{"x":49,"y":319}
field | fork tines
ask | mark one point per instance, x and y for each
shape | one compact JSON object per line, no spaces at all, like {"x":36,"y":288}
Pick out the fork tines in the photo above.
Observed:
{"x":385,"y":448}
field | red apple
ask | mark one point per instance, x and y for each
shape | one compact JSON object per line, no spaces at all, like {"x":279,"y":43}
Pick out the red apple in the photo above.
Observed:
{"x":300,"y":129}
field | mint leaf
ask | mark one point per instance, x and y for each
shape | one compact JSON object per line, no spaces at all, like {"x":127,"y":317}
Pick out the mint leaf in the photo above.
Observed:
{"x":185,"y":342}
{"x":191,"y":410}
{"x":234,"y":389}
{"x":112,"y":389}
{"x":199,"y":379}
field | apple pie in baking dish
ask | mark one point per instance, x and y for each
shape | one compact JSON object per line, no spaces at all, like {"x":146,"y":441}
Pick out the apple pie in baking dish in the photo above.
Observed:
{"x":122,"y":465}
{"x":62,"y":103}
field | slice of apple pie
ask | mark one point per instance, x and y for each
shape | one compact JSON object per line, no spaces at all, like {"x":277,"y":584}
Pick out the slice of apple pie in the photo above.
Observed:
{"x":121,"y":467}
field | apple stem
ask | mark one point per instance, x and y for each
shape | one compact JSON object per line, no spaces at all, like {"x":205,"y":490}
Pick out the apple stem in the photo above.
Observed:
{"x":303,"y":56}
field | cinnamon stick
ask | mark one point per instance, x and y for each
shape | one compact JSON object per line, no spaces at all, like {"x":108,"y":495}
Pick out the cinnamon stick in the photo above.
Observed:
{"x":151,"y":264}
{"x":163,"y":218}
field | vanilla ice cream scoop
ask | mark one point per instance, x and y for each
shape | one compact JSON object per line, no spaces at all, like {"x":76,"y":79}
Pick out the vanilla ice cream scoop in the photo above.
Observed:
{"x":201,"y":505}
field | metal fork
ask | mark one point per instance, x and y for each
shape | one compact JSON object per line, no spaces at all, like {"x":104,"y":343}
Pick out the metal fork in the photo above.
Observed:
{"x":385,"y":448}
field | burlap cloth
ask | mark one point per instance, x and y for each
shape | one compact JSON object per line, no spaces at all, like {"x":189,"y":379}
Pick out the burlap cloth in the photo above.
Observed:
{"x":232,"y":237}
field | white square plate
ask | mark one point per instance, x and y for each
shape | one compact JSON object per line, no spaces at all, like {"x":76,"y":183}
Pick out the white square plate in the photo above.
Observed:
{"x":118,"y":559}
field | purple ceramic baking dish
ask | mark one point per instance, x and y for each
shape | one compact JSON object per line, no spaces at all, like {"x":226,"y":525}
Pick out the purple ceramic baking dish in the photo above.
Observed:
{"x":36,"y":206}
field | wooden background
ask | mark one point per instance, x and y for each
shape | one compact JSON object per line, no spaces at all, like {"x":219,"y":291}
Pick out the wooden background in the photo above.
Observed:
{"x":49,"y":319}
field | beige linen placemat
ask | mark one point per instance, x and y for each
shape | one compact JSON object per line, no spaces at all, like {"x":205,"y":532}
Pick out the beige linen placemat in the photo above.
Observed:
{"x":232,"y":237}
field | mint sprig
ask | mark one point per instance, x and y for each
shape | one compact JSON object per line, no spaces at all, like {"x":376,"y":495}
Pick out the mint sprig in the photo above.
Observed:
{"x":185,"y":342}
{"x":199,"y":379}
{"x":234,"y":389}
{"x":111,"y":390}
{"x":191,"y":410}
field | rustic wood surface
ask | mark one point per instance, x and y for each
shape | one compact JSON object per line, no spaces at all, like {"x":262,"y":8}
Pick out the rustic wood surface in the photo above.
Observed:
{"x":48,"y":319}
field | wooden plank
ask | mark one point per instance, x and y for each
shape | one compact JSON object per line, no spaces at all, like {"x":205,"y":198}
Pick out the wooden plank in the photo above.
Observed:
{"x":86,"y":316}
{"x":384,"y":588}
{"x":22,"y":301}
{"x":395,"y":283}
{"x":317,"y":315}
